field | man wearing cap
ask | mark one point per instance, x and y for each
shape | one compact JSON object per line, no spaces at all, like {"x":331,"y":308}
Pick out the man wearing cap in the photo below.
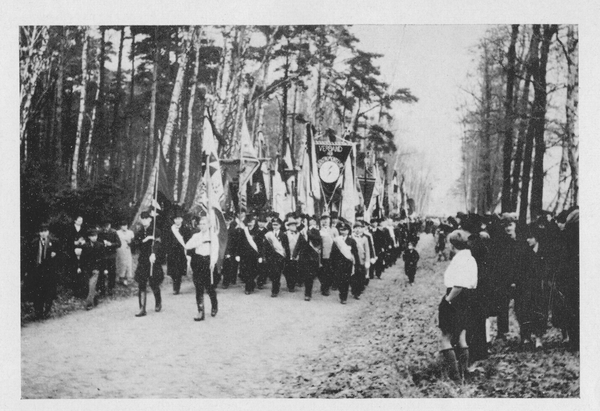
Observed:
{"x":276,"y":244}
{"x":295,"y":243}
{"x":230,"y":261}
{"x":175,"y":238}
{"x":151,"y":256}
{"x":344,"y":255}
{"x":379,"y":240}
{"x":309,"y":261}
{"x":108,"y":275}
{"x":326,"y":272}
{"x":41,"y":277}
{"x":249,"y":254}
{"x":260,"y":230}
{"x":357,"y":282}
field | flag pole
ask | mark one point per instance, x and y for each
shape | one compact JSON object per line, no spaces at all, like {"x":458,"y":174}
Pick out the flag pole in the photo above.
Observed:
{"x":154,"y":202}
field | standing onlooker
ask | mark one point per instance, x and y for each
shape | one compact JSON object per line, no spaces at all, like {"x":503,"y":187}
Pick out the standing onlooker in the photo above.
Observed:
{"x":411,"y":258}
{"x":459,"y":278}
{"x":108,"y":275}
{"x":124,"y":258}
{"x":41,"y":275}
{"x":92,"y":256}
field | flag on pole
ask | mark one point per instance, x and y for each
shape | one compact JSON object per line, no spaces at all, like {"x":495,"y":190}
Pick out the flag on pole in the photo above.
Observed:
{"x":249,"y":163}
{"x":281,"y":199}
{"x":373,"y":203}
{"x":315,"y":180}
{"x":349,"y":193}
{"x":305,"y":196}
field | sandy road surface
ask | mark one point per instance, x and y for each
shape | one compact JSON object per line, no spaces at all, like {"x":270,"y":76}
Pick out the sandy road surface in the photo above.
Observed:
{"x":109,"y":353}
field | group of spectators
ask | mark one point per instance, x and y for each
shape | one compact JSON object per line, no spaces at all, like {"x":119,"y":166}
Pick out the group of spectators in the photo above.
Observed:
{"x":495,"y":260}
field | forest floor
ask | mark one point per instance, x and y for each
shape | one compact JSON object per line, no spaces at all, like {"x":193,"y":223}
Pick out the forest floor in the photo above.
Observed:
{"x":382,"y":346}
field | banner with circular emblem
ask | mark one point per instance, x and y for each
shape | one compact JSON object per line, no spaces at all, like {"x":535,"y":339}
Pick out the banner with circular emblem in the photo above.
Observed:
{"x":331,"y":158}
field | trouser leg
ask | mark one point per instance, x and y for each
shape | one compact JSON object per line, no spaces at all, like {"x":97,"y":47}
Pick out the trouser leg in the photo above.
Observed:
{"x":344,"y":283}
{"x":111,"y":268}
{"x":92,"y":282}
{"x":325,"y":276}
{"x":157,"y":297}
{"x":290,"y":272}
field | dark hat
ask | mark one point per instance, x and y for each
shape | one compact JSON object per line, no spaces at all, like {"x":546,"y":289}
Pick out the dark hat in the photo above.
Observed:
{"x":325,"y":216}
{"x":145,"y":214}
{"x":358,"y":223}
{"x":92,"y":232}
{"x":533,"y":231}
{"x":277,"y":221}
{"x":291,"y":221}
{"x":43,"y":227}
{"x":343,"y":226}
{"x":461,"y":215}
{"x":274,"y":214}
{"x":249,"y":218}
{"x":262,"y":218}
{"x":123,"y":222}
{"x":177,"y":213}
{"x":228,"y":215}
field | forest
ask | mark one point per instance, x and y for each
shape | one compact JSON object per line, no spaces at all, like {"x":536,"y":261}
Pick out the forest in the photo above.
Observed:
{"x":99,"y":105}
{"x":520,"y":123}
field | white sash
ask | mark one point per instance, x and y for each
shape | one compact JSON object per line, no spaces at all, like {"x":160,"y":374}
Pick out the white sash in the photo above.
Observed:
{"x":275,"y":243}
{"x":250,"y":239}
{"x":344,"y":248}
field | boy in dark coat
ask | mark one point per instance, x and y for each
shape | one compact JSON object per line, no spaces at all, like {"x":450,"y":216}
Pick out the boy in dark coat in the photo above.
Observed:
{"x":411,"y":258}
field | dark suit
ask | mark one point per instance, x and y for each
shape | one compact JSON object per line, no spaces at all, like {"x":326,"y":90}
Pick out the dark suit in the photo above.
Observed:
{"x":108,"y":273}
{"x":292,"y":256}
{"x":176,"y":255}
{"x":310,"y":260}
{"x":248,"y":260}
{"x":41,"y":276}
{"x":230,"y":265}
{"x":343,"y":266}
{"x":261,"y":242}
{"x":276,"y":262}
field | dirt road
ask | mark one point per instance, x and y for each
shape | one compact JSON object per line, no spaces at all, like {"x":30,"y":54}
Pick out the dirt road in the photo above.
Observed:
{"x":109,"y":353}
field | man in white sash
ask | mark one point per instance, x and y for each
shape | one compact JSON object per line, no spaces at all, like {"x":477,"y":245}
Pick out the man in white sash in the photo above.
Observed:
{"x":275,"y":254}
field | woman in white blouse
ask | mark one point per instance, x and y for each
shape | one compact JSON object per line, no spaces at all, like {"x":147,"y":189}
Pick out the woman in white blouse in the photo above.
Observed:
{"x":460,"y":277}
{"x":205,"y":246}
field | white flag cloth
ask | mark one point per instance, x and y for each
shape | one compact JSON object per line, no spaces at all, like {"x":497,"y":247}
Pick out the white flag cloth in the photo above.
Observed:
{"x":281,"y":200}
{"x":349,"y":193}
{"x":249,"y":162}
{"x":305,"y":195}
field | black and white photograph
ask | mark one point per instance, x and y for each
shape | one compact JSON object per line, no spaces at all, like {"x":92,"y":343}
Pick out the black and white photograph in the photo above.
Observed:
{"x":309,"y":201}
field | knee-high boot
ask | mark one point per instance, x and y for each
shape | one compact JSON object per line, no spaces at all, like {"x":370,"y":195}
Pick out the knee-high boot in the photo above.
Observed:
{"x":463,"y":361}
{"x":200,"y":304}
{"x":214,"y":304}
{"x":157,"y":299}
{"x":142,"y":302}
{"x":451,"y":364}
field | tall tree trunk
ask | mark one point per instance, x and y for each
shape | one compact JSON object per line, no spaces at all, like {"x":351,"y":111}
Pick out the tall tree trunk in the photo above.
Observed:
{"x":99,"y":127}
{"x":115,"y":132}
{"x":176,"y":93}
{"x":509,"y":122}
{"x":523,"y":115}
{"x":571,"y":135}
{"x":529,"y":138}
{"x":57,"y":129}
{"x":88,"y":145}
{"x":33,"y":63}
{"x":190,"y":121}
{"x":539,"y":110}
{"x":486,"y":150}
{"x":84,"y":75}
{"x":152,"y":128}
{"x":284,"y":103}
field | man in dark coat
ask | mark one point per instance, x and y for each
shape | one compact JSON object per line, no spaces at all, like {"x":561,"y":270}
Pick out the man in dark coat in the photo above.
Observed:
{"x":41,"y":275}
{"x":149,"y":270}
{"x":249,"y":254}
{"x":294,"y":244}
{"x":260,"y":230}
{"x":92,"y":256}
{"x":344,"y":254}
{"x":310,"y":260}
{"x":175,"y":238}
{"x":108,"y":275}
{"x":231,"y":257}
{"x":275,"y":254}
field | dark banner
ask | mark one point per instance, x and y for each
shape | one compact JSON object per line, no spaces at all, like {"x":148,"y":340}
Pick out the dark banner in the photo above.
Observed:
{"x":367,"y":185}
{"x":331,"y":158}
